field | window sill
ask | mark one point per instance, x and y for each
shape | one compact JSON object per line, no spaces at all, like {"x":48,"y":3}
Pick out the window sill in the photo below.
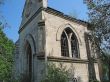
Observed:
{"x":67,"y":59}
{"x":63,"y":59}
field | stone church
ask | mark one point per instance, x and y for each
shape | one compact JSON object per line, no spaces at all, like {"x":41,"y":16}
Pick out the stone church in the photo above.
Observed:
{"x":48,"y":35}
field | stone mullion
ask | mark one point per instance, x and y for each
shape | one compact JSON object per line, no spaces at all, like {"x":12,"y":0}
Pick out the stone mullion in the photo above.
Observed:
{"x":70,"y":49}
{"x":69,"y":46}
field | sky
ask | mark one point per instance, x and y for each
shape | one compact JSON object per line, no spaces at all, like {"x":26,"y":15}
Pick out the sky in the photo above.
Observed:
{"x":12,"y":12}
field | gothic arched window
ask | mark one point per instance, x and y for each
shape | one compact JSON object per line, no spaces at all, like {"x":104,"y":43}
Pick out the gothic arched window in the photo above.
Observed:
{"x":69,"y":44}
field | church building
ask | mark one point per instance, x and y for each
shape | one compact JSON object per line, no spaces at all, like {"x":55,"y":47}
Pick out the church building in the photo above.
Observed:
{"x":48,"y":35}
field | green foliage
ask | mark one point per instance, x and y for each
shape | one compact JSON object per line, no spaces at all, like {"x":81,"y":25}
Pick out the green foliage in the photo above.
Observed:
{"x":56,"y":74}
{"x":99,"y":17}
{"x":6,"y":52}
{"x":6,"y":57}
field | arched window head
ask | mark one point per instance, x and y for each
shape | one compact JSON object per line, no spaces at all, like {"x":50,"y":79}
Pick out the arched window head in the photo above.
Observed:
{"x":69,"y":44}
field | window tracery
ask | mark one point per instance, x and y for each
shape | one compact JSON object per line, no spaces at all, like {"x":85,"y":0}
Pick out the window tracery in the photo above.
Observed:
{"x":69,"y":44}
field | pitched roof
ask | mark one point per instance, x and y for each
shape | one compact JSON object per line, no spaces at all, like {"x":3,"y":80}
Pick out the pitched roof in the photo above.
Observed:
{"x":60,"y":14}
{"x":54,"y":12}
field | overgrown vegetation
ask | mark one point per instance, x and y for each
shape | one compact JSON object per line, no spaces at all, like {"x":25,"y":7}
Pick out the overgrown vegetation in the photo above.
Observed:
{"x":6,"y":53}
{"x":6,"y":57}
{"x":56,"y":74}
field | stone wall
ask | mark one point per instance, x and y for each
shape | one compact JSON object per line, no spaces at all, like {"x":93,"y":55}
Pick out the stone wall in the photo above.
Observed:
{"x":55,"y":25}
{"x":31,"y":33}
{"x":43,"y":32}
{"x":54,"y":28}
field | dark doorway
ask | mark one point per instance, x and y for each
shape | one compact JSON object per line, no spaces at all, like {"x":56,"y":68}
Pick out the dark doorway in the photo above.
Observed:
{"x":29,"y":62}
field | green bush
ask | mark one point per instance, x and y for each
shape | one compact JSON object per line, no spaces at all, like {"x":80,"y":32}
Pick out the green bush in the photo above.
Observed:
{"x":56,"y":74}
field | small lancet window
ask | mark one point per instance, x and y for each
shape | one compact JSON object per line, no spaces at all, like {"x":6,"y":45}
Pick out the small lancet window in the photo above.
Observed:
{"x":64,"y":45}
{"x":74,"y":46}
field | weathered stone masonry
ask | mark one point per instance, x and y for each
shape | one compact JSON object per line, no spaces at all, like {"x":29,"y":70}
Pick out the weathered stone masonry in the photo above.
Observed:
{"x":41,"y":34}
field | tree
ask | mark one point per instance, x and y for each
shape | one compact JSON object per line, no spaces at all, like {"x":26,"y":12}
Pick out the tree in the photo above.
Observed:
{"x":6,"y":54}
{"x":99,"y":18}
{"x":106,"y":59}
{"x":3,"y":22}
{"x":6,"y":57}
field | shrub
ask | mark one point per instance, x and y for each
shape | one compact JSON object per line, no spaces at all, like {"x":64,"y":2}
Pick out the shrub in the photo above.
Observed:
{"x":56,"y":74}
